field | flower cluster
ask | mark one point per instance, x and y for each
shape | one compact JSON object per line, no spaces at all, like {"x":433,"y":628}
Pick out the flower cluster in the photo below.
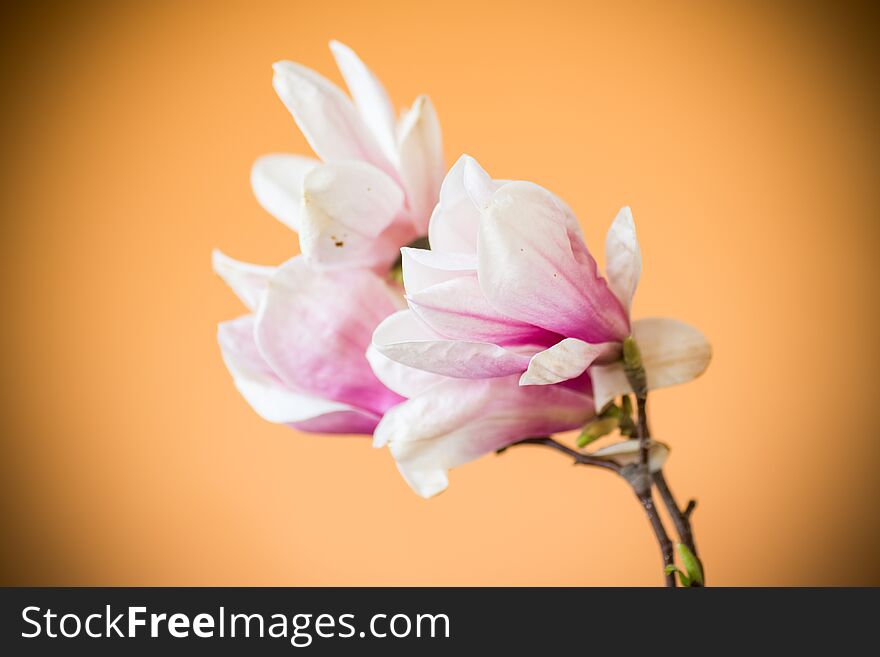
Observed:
{"x":503,"y":329}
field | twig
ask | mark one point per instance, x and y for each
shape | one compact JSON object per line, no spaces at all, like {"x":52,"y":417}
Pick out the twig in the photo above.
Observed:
{"x":579,"y":458}
{"x":680,"y":517}
{"x":640,"y":484}
{"x":642,"y":431}
{"x":647,"y":501}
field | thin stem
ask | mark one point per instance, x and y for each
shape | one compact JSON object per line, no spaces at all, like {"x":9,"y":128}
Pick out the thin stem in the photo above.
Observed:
{"x":647,"y":501}
{"x":641,"y":486}
{"x":680,"y":517}
{"x":642,"y":432}
{"x":579,"y":458}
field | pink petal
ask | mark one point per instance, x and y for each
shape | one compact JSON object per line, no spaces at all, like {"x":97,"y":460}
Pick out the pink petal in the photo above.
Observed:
{"x":249,"y":282}
{"x":314,"y":328}
{"x":277,"y":182}
{"x":272,"y":399}
{"x":369,"y":96}
{"x":327,"y":118}
{"x":458,"y":421}
{"x":348,"y":216}
{"x":623,"y":265}
{"x":405,"y":381}
{"x":457,"y":309}
{"x":565,"y":360}
{"x":534,"y":267}
{"x":421,"y":160}
{"x":404,"y":338}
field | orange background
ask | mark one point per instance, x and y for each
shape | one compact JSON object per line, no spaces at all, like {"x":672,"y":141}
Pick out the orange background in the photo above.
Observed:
{"x":745,"y":139}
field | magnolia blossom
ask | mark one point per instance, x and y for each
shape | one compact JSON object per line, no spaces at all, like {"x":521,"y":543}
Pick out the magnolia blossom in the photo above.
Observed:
{"x":298,"y":358}
{"x":380,"y":176}
{"x":509,"y":287}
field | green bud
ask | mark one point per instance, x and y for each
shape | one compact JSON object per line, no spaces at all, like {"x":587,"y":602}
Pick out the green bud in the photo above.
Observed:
{"x":632,"y":366}
{"x":610,"y":410}
{"x":691,"y":564}
{"x":684,"y":579}
{"x":595,"y":430}
{"x":627,"y":425}
{"x":632,"y":357}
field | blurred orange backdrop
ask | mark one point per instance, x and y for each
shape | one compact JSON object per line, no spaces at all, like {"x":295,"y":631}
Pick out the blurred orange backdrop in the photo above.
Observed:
{"x":744,"y":137}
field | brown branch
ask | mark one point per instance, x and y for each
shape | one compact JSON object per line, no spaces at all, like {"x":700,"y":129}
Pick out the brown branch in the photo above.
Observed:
{"x":633,"y":474}
{"x":642,"y":431}
{"x":647,"y":501}
{"x":680,"y":517}
{"x":579,"y":457}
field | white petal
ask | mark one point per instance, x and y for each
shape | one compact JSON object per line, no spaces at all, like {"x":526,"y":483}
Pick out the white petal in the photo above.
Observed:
{"x":455,"y":422}
{"x":327,"y":118}
{"x":277,"y":184}
{"x":369,"y":96}
{"x":478,"y":184}
{"x":249,"y":282}
{"x":423,"y":268}
{"x":405,"y":381}
{"x":421,"y":160}
{"x":672,"y":352}
{"x":628,"y":452}
{"x":406,"y":339}
{"x":565,"y":360}
{"x":268,"y":395}
{"x":623,"y":257}
{"x":346,"y":207}
{"x":456,"y":220}
{"x":534,"y":267}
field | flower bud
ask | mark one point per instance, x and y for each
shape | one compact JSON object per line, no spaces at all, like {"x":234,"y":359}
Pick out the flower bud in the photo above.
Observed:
{"x":596,"y":429}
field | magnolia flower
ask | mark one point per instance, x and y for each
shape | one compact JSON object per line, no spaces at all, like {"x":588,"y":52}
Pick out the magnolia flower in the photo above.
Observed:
{"x":379,"y":179}
{"x":299,"y":357}
{"x":509,"y":287}
{"x":450,"y":422}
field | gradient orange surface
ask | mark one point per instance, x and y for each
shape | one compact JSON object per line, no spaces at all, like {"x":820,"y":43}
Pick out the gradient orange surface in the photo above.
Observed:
{"x":745,"y":140}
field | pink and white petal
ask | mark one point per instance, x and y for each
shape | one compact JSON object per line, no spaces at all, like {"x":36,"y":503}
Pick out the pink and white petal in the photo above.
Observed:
{"x":623,"y":258}
{"x":404,"y":338}
{"x":457,"y":309}
{"x":478,"y":185}
{"x":271,"y":398}
{"x":350,"y":422}
{"x":369,"y":97}
{"x":277,"y":182}
{"x":327,"y":118}
{"x":249,"y":282}
{"x":628,"y":452}
{"x":346,"y":207}
{"x":421,"y":160}
{"x":567,"y":359}
{"x":314,"y":328}
{"x":455,"y":422}
{"x":455,"y":222}
{"x":423,"y":268}
{"x":673,"y":352}
{"x":405,"y":381}
{"x":535,"y":268}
